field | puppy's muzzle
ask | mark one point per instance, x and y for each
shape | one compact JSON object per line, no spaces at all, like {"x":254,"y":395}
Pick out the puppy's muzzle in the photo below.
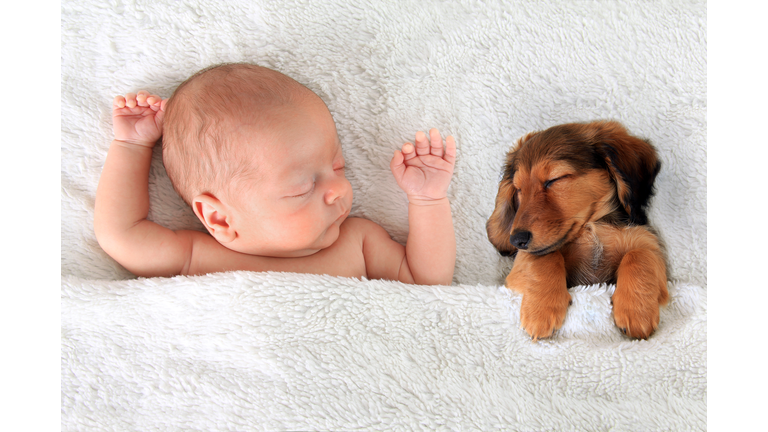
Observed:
{"x":520,"y":239}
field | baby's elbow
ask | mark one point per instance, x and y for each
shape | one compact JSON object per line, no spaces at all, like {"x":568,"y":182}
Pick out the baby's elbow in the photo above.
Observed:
{"x":442,"y":276}
{"x":117,"y":247}
{"x":107,"y":236}
{"x":447,"y":279}
{"x":420,"y":276}
{"x":434,"y":279}
{"x":108,"y":241}
{"x":113,"y":246}
{"x":442,"y":280}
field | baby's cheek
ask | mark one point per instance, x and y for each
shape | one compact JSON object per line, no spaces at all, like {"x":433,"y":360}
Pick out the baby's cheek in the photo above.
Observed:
{"x":301,"y":231}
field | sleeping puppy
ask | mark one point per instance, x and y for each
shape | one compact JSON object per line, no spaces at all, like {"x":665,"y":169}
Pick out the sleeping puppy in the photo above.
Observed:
{"x":571,"y":205}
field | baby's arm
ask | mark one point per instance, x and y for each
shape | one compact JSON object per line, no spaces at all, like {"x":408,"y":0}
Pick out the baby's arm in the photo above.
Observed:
{"x":122,"y":198}
{"x":424,"y":172}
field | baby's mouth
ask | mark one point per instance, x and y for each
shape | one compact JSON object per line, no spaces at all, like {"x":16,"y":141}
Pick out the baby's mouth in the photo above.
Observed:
{"x":343,"y":216}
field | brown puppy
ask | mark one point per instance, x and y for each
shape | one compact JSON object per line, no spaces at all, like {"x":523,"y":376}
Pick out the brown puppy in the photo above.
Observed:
{"x":571,"y":204}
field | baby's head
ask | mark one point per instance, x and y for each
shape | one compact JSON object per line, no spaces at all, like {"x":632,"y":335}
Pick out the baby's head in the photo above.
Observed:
{"x":257,"y":157}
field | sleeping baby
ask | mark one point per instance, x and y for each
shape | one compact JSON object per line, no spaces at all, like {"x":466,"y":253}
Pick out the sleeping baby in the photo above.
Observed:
{"x":257,"y":157}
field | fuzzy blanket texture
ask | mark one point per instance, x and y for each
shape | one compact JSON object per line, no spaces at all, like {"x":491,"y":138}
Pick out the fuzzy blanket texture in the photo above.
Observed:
{"x":282,"y":351}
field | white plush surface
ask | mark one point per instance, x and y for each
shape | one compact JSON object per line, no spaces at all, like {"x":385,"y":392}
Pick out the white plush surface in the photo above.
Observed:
{"x":276,"y":351}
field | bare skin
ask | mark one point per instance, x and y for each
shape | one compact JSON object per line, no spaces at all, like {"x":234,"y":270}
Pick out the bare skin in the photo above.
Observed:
{"x":293,"y":219}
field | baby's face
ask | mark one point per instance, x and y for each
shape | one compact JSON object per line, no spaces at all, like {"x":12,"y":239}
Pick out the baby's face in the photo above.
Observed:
{"x":301,"y":195}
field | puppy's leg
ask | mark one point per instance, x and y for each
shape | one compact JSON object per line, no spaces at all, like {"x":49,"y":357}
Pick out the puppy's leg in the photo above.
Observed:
{"x":641,"y":287}
{"x":541,"y":280}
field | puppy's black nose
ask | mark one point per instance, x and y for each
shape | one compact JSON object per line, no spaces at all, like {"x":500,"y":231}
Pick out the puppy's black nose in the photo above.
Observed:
{"x":520,"y":239}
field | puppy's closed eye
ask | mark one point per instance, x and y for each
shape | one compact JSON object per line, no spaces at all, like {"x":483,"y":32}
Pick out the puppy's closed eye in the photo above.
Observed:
{"x":549,"y":183}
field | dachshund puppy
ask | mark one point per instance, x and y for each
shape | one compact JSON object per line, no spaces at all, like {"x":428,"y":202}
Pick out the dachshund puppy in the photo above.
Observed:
{"x":571,"y":205}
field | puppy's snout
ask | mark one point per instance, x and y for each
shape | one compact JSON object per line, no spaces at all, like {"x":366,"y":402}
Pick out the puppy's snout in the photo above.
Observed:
{"x":520,"y":239}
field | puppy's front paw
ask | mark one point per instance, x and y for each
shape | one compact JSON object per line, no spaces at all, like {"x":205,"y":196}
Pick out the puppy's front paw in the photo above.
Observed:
{"x":541,"y":315}
{"x":636,"y":316}
{"x":641,"y":287}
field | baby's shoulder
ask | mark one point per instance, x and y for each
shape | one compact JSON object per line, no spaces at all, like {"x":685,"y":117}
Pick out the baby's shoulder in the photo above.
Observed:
{"x":368,"y":234}
{"x":382,"y":256}
{"x":363,"y":227}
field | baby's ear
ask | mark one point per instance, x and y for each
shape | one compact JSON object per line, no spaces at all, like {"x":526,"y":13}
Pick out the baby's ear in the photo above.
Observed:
{"x":215,"y":217}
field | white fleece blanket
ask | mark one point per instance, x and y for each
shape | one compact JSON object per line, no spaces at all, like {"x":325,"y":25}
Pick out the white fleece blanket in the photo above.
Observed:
{"x":281,"y":351}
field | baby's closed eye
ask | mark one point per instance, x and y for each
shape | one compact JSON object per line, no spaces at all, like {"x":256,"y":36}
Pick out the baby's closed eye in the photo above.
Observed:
{"x":306,"y":192}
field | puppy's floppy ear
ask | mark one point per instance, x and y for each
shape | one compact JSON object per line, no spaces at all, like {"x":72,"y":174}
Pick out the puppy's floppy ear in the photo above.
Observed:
{"x":633,"y":165}
{"x":499,"y":225}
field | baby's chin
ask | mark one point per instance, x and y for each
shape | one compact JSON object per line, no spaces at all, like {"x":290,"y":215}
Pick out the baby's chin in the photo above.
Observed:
{"x":323,"y":241}
{"x":328,"y":239}
{"x":298,"y":252}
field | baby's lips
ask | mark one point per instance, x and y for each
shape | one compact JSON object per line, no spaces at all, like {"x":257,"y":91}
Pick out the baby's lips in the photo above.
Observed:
{"x":344,"y":214}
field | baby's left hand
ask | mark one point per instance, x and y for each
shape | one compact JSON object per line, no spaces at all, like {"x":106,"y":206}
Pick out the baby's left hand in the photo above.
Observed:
{"x":424,"y":171}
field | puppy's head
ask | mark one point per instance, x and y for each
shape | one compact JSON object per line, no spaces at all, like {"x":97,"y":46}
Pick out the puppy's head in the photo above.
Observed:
{"x":557,"y":180}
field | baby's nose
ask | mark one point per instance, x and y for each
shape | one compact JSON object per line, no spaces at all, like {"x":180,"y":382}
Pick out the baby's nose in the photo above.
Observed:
{"x":338,"y":188}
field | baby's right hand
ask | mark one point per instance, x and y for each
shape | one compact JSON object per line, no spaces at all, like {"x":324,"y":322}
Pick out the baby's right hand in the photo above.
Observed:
{"x":138,"y":118}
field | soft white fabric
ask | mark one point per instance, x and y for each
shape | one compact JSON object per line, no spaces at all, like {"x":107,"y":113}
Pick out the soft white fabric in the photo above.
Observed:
{"x":278,"y":351}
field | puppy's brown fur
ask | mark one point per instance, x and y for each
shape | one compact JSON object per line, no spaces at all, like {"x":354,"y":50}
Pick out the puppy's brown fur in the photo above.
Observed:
{"x":571,"y":205}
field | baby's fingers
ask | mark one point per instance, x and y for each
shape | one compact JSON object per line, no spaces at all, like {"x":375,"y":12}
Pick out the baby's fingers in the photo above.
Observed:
{"x":141,"y":98}
{"x":130,"y":100}
{"x":396,"y":165}
{"x":155,"y":102}
{"x":421,"y":144}
{"x":435,"y":143}
{"x":450,"y":150}
{"x":409,"y":151}
{"x":118,"y":102}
